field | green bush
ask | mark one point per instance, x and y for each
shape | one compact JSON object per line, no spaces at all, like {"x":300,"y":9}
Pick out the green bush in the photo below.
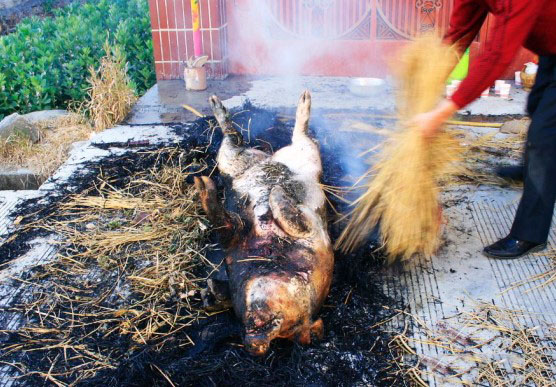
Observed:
{"x":44,"y":63}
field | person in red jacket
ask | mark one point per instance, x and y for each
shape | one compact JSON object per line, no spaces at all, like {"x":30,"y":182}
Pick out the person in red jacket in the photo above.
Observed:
{"x":531,"y":23}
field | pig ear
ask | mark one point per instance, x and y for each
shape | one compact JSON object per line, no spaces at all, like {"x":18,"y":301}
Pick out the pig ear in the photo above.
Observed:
{"x":226,"y":225}
{"x":288,"y":215}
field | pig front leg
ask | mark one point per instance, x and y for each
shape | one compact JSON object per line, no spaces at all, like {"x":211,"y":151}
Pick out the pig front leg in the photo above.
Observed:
{"x":228,"y":226}
{"x":223,"y":117}
{"x":233,"y":158}
{"x":216,"y":296}
{"x":315,"y":329}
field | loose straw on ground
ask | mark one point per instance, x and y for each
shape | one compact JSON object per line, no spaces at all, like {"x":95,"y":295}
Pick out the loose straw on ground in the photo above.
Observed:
{"x":487,"y":345}
{"x":403,"y":188}
{"x":130,"y":262}
{"x":110,"y":98}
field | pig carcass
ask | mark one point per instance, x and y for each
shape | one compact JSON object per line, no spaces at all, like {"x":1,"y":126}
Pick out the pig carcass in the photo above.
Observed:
{"x":279,"y":258}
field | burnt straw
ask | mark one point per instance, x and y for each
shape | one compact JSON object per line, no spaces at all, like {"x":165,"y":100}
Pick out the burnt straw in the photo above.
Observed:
{"x":103,"y":321}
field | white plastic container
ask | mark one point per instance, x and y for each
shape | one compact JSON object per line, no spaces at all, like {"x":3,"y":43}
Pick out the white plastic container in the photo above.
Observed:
{"x":505,"y":90}
{"x":497,"y":84}
{"x":485,"y":93}
{"x":450,"y":89}
{"x":367,"y":87}
{"x":518,"y":78}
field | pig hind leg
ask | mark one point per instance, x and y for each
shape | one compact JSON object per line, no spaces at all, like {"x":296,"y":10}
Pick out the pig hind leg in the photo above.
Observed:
{"x":223,"y":117}
{"x":233,"y":158}
{"x":302,"y":115}
{"x":302,"y":156}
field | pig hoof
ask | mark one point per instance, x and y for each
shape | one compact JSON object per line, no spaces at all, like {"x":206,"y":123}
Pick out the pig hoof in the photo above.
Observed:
{"x":317,"y":329}
{"x":303,"y":111}
{"x":216,"y":296}
{"x":223,"y":118}
{"x":216,"y":105}
{"x":207,"y":193}
{"x":209,"y":186}
{"x":256,"y":345}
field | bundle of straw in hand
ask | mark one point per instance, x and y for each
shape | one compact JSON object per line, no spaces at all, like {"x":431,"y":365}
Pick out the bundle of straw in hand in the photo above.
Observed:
{"x":403,"y":188}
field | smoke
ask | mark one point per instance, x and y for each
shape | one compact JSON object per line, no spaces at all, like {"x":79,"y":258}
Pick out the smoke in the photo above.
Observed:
{"x":296,"y":43}
{"x":259,"y":44}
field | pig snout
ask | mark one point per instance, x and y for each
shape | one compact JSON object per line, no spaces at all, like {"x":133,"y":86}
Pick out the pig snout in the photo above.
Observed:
{"x":262,"y":327}
{"x":256,"y":344}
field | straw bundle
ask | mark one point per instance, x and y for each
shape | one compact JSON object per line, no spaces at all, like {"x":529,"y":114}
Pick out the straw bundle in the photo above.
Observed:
{"x":403,"y":187}
{"x":111,"y":93}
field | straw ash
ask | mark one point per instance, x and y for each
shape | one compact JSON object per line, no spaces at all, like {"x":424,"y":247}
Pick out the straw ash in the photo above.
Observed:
{"x":127,"y":275}
{"x":403,"y":186}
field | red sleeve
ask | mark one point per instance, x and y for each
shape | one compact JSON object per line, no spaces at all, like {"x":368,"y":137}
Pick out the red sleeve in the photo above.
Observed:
{"x":513,"y":20}
{"x":465,"y":22}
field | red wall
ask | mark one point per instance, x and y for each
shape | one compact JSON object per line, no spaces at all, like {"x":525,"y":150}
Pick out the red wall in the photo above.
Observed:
{"x":172,"y":35}
{"x":309,"y":37}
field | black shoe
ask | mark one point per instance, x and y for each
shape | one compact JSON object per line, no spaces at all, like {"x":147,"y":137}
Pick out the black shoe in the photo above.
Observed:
{"x":510,"y":172}
{"x":510,"y":247}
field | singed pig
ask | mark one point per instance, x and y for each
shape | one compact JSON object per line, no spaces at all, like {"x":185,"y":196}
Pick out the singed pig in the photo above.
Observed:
{"x":279,"y":257}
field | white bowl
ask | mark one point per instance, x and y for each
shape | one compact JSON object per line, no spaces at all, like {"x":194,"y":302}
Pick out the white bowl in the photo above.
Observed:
{"x":366,"y":87}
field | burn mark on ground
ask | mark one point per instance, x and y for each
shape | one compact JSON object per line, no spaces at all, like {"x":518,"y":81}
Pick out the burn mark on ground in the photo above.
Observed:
{"x":354,"y":350}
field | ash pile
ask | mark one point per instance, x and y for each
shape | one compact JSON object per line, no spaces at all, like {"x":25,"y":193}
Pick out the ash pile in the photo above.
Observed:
{"x":119,"y":303}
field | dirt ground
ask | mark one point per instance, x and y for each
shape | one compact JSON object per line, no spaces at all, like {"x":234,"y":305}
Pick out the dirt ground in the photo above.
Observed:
{"x":10,"y":17}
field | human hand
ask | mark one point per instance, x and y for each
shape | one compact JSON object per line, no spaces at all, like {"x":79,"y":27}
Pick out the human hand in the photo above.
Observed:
{"x":430,"y":123}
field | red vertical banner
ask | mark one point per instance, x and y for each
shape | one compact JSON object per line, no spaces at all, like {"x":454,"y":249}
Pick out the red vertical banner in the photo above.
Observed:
{"x":196,"y":21}
{"x":182,"y":29}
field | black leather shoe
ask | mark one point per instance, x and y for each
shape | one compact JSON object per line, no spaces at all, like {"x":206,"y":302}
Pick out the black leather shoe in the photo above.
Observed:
{"x":510,"y":247}
{"x":510,"y":172}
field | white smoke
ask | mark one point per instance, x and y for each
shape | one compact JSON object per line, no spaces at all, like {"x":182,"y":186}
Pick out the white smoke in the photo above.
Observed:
{"x":257,"y":46}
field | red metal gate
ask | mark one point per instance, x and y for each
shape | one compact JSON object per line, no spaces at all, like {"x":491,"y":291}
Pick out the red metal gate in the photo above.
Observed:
{"x":312,"y":37}
{"x":332,"y":37}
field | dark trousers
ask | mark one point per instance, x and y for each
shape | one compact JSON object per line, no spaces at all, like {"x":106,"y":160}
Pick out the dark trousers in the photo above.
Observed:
{"x":534,"y":214}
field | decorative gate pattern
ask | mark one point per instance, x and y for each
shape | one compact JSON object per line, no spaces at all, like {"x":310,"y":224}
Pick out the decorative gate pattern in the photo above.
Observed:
{"x":352,"y":19}
{"x":402,"y":19}
{"x":323,"y":19}
{"x":354,"y":37}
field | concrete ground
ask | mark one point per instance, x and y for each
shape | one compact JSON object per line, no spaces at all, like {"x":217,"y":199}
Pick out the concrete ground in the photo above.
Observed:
{"x":437,"y":290}
{"x":163,"y":103}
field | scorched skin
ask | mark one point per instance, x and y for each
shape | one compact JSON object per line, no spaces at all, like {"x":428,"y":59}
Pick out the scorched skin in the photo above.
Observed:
{"x":279,"y":257}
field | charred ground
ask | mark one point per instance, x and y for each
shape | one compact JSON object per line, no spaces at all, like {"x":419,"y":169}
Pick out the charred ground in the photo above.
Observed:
{"x":354,"y":351}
